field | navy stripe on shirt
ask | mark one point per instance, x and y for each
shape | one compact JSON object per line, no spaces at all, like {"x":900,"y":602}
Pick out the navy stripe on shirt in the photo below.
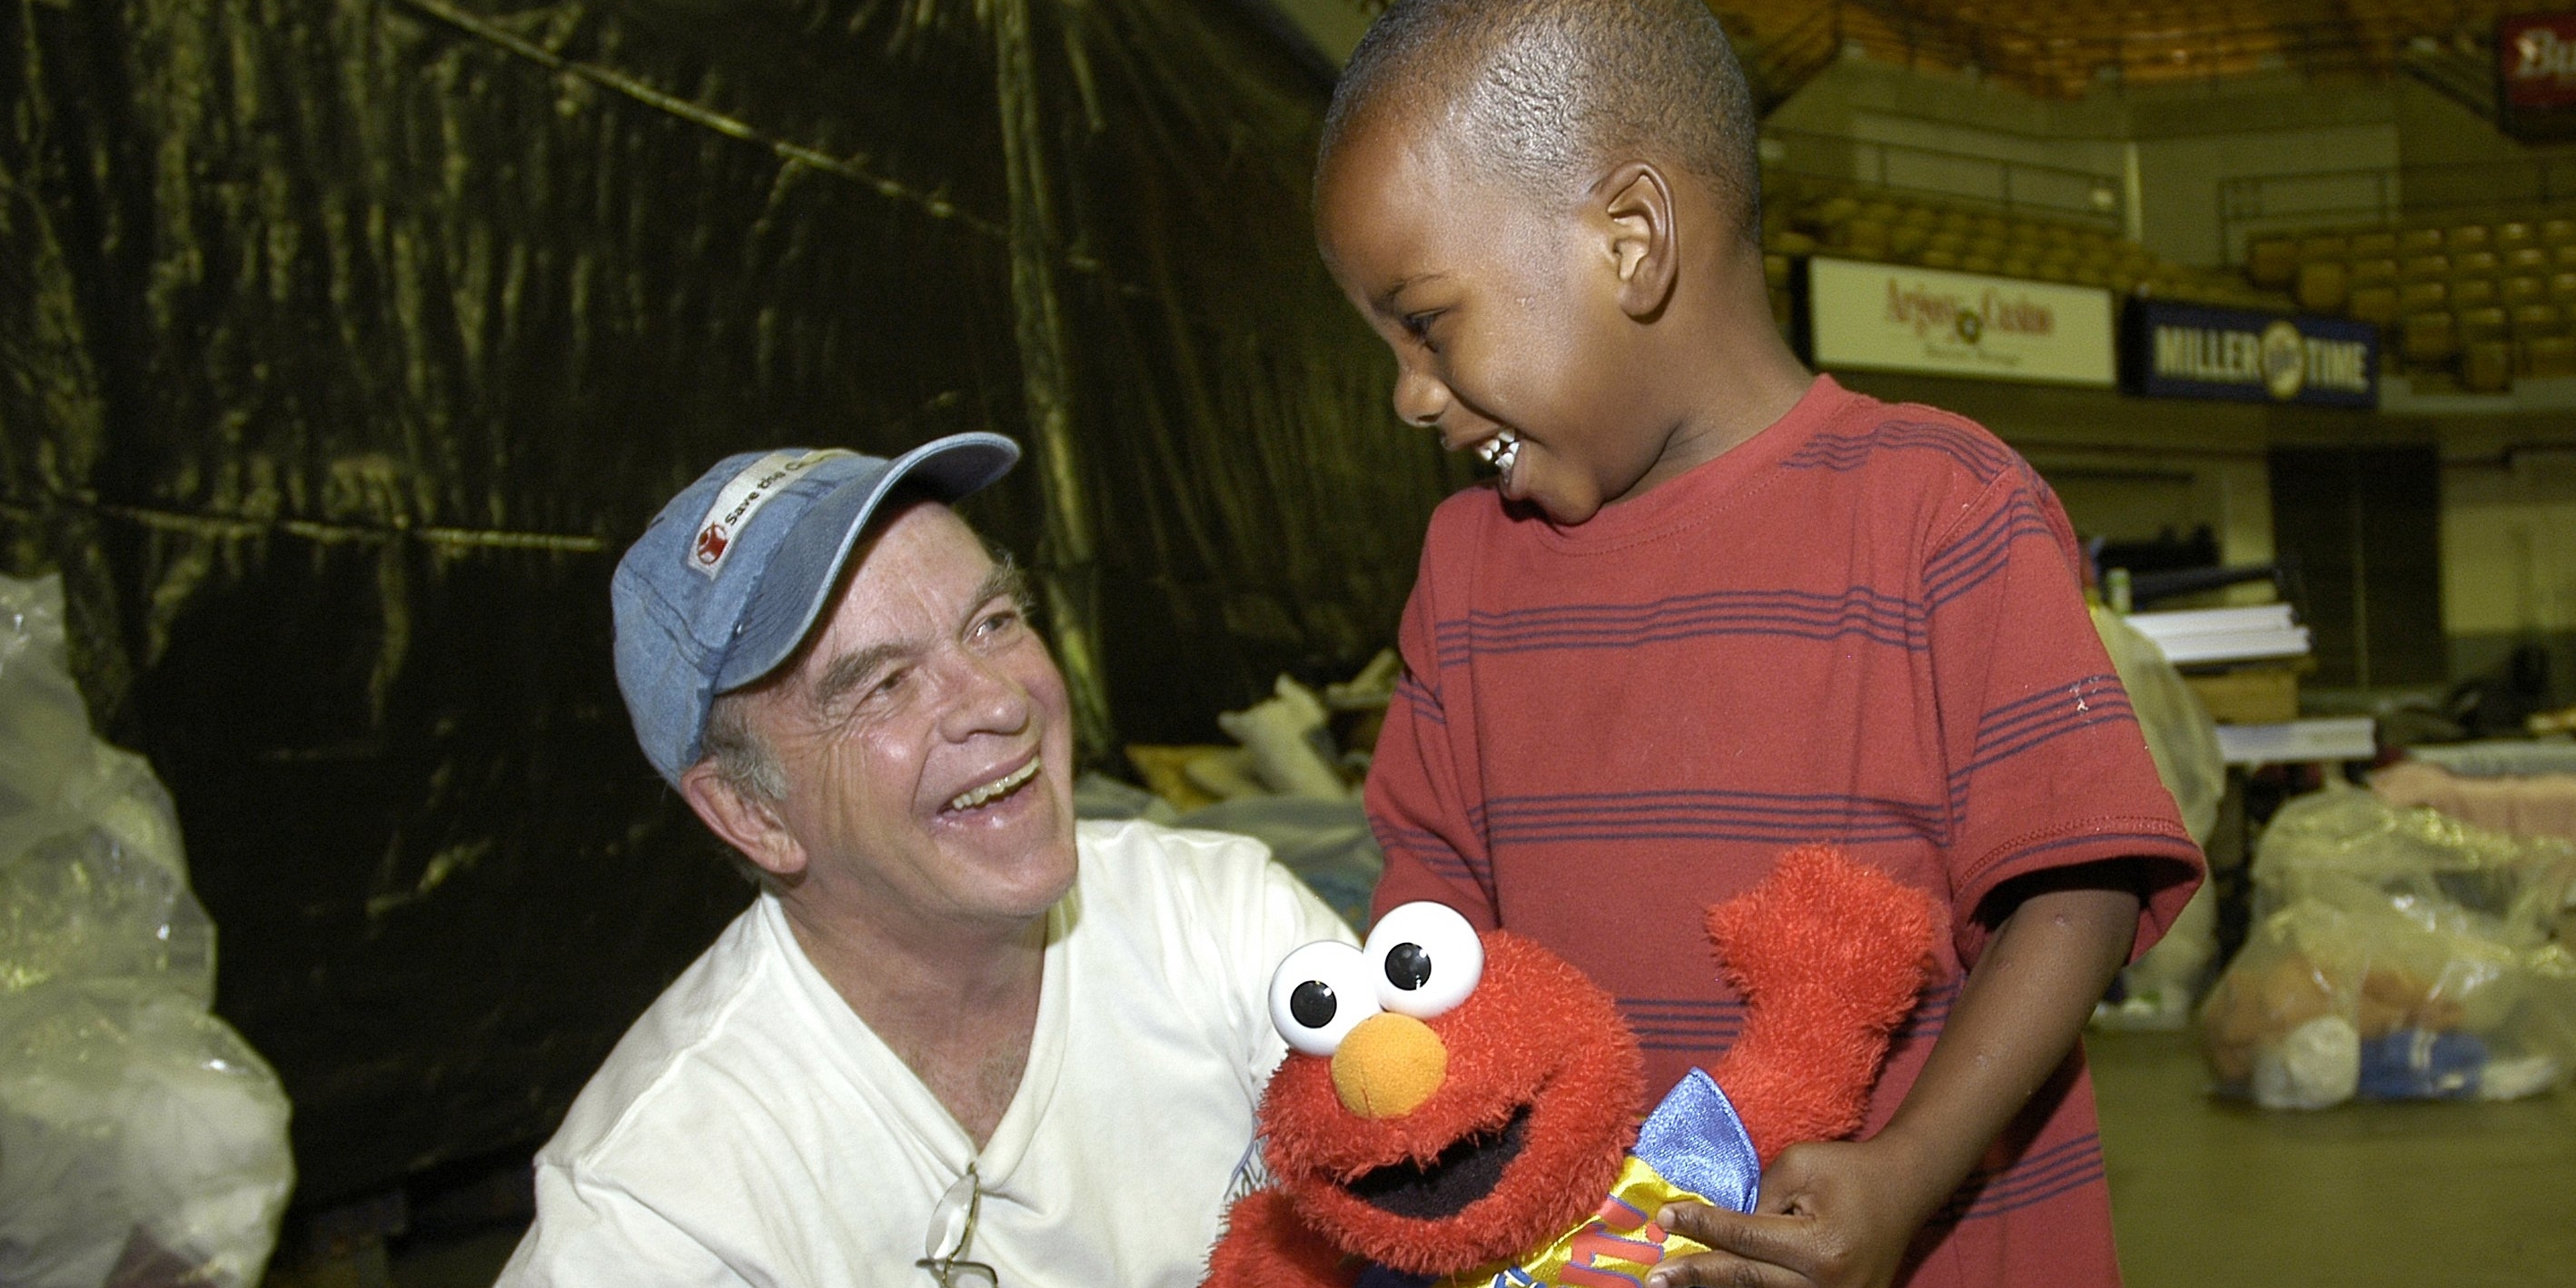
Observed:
{"x":1709,"y":814}
{"x":1977,"y":453}
{"x":1858,"y":612}
{"x":1420,"y":699}
{"x":1433,"y":852}
{"x":2025,"y":1182}
{"x":1984,"y":550}
{"x":1706,"y":1027}
{"x":2018,"y":726}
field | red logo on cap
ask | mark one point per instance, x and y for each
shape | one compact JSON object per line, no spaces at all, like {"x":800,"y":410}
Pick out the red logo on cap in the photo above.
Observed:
{"x":711,"y":544}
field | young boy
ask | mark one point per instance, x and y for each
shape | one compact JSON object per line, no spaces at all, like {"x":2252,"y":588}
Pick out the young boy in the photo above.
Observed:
{"x":1714,"y":607}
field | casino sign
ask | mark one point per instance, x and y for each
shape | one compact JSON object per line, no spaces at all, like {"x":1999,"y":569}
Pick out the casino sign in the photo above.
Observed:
{"x":2191,"y":351}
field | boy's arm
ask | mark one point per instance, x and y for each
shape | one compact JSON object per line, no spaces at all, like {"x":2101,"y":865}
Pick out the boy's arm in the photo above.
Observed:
{"x":1842,"y":1213}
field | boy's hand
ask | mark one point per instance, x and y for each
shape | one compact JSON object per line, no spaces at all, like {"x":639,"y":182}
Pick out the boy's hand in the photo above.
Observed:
{"x":1841,"y":1214}
{"x":1827,"y":1217}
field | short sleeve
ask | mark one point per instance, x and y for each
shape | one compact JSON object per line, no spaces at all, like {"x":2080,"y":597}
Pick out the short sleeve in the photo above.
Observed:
{"x":590,"y":1236}
{"x":1418,"y":805}
{"x":2048,"y":766}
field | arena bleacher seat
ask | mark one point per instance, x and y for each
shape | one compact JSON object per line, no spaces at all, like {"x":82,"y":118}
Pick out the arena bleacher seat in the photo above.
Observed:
{"x":2482,"y":301}
{"x":1809,"y":216}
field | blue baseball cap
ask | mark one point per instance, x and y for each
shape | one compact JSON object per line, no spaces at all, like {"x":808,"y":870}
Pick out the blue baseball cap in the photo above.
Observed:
{"x":733,"y":572}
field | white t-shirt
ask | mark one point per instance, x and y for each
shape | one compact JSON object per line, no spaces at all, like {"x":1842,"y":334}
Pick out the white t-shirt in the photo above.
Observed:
{"x":750,"y":1129}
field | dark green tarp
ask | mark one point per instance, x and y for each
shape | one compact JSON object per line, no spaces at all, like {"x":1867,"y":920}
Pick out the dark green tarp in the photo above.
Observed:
{"x":344,"y":343}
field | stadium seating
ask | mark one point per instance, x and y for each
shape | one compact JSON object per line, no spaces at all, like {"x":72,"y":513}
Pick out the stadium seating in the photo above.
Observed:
{"x":2480,"y":301}
{"x":2063,"y":49}
{"x":1854,"y":221}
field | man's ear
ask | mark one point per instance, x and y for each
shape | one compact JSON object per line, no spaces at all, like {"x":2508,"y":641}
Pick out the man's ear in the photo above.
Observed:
{"x":744,"y":820}
{"x":1644,"y":242}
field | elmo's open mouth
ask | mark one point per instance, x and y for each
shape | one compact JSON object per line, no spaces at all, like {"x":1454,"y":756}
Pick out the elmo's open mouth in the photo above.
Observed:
{"x":1464,"y":1172}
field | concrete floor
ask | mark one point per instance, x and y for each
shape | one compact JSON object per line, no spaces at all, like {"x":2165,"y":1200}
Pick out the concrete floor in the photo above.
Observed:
{"x":2427,"y":1195}
{"x":2205,"y":1193}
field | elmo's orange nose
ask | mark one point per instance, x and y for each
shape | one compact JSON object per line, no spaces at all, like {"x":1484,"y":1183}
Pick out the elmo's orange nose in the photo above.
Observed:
{"x":1388,"y":1066}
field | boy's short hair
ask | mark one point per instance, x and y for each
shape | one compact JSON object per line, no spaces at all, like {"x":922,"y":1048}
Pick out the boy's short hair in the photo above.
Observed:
{"x":1545,"y":90}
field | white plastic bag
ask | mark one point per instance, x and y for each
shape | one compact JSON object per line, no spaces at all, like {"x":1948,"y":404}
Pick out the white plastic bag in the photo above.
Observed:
{"x":2397,"y":955}
{"x":2157,"y":990}
{"x":142,"y":1142}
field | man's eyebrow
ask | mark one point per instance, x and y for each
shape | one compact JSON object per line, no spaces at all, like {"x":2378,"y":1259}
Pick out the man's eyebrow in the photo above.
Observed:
{"x":1005,"y":581}
{"x":847,"y":670}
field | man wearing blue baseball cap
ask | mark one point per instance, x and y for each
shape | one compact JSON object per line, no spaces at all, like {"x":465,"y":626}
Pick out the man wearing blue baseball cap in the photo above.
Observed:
{"x":958,"y":1037}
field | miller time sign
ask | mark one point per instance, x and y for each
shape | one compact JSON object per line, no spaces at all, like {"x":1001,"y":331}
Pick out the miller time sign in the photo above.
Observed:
{"x":2190,"y":351}
{"x":1890,"y":317}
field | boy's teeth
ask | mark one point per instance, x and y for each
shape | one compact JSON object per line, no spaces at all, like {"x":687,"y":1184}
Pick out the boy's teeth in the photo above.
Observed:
{"x":998,"y":787}
{"x":1499,"y":449}
{"x":1508,"y":451}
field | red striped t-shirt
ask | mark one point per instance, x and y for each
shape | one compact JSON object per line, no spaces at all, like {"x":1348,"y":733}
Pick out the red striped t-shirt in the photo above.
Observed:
{"x":1866,"y":626}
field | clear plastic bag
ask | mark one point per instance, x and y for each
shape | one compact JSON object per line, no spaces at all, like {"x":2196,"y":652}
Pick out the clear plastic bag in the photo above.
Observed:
{"x":142,"y":1142}
{"x":2157,"y":990}
{"x":2444,"y":872}
{"x":2397,"y":955}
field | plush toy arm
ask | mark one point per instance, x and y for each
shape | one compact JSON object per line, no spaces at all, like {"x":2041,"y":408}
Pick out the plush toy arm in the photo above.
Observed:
{"x":1266,"y":1246}
{"x":1829,"y":957}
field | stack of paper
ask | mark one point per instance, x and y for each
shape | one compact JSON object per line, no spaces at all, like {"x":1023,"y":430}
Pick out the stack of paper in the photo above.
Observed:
{"x":2291,"y":741}
{"x":2198,"y":636}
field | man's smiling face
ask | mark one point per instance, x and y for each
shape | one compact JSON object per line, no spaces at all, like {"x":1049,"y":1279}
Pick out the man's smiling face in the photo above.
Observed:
{"x":1502,"y":310}
{"x":925,"y":740}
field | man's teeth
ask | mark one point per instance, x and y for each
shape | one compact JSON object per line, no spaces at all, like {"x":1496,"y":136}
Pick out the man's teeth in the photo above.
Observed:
{"x":998,"y":787}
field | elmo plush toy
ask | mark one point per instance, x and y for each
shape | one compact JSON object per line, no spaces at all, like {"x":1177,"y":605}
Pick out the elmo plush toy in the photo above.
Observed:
{"x":1463,"y":1110}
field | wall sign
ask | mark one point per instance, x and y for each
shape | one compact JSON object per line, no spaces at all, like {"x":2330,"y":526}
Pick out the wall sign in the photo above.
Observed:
{"x":1889,"y":317}
{"x":2191,"y":351}
{"x":2535,"y":75}
{"x":2536,"y":60}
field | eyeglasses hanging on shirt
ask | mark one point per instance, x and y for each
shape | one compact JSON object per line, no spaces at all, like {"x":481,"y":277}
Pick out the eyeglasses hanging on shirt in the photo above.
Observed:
{"x":952,"y":1227}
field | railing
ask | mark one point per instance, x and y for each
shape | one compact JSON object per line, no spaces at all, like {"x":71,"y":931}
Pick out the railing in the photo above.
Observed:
{"x":2059,"y":192}
{"x":1780,"y":66}
{"x":2251,"y":207}
{"x":2462,"y":69}
{"x":2066,"y":60}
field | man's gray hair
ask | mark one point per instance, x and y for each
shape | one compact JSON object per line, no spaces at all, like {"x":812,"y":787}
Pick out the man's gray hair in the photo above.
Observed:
{"x":741,"y":757}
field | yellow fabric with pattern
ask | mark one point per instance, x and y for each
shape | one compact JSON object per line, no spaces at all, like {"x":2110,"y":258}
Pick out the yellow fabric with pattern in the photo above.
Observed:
{"x":1612,"y":1248}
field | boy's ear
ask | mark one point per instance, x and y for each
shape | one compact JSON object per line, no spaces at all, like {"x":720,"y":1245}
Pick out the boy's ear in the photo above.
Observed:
{"x":744,"y":820}
{"x":1644,"y":240}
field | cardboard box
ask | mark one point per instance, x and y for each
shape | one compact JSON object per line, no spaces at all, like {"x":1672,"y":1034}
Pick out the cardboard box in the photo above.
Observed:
{"x":2249,"y":695}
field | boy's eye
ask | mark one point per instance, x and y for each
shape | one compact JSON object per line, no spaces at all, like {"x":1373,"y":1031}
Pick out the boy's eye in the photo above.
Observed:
{"x":1418,"y":325}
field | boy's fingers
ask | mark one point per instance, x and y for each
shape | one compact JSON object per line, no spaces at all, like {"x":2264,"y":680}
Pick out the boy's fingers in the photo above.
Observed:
{"x":1775,"y":1241}
{"x":1722,"y":1270}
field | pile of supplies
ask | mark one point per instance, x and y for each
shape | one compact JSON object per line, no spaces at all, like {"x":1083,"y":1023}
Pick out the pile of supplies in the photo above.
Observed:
{"x":2397,"y":953}
{"x":1291,"y":780}
{"x":2523,"y":786}
{"x":142,"y":1142}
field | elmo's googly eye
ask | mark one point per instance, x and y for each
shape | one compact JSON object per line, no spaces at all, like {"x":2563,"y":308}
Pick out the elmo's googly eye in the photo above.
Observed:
{"x":1322,"y":991}
{"x":1423,"y":959}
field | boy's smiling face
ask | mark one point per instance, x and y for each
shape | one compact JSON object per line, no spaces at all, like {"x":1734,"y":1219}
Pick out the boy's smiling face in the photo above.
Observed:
{"x":1511,"y":332}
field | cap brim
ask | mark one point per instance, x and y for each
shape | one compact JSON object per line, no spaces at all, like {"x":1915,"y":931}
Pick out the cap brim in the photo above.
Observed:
{"x":799,"y":579}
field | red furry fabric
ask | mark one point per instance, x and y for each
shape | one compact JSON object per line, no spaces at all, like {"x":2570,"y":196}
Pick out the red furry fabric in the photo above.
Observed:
{"x":1266,"y":1246}
{"x":1535,"y":1034}
{"x":1829,"y":956}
